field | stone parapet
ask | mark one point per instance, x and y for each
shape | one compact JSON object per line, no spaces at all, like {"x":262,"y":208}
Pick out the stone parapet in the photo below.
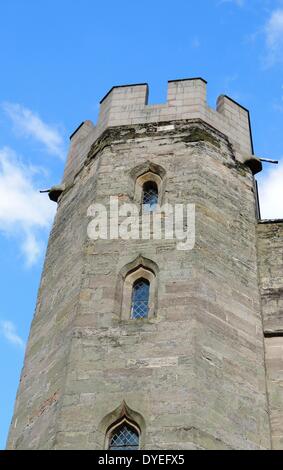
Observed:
{"x":186,"y":99}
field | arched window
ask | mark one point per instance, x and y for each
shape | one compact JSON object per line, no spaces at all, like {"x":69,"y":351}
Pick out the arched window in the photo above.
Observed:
{"x":150,"y":195}
{"x":124,"y":436}
{"x":140,"y":298}
{"x":147,"y":185}
{"x":122,"y":429}
{"x":136,"y":290}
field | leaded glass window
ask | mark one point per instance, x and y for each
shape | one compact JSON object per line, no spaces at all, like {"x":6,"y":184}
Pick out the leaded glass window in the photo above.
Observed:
{"x":150,"y":195}
{"x":124,"y":437}
{"x":140,"y":297}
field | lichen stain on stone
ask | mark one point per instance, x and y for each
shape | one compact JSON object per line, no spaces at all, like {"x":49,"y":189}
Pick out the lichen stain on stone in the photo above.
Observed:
{"x":197,"y":134}
{"x":240,"y":167}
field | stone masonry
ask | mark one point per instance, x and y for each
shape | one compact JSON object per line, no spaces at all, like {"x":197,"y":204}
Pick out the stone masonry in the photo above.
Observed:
{"x":205,"y":371}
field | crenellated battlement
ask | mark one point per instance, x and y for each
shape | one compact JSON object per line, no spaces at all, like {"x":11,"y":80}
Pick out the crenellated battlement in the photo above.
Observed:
{"x":186,"y":99}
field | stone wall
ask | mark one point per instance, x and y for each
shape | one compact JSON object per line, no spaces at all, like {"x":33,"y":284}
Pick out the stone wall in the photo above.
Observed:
{"x":270,"y":258}
{"x":195,"y":372}
{"x":41,"y":388}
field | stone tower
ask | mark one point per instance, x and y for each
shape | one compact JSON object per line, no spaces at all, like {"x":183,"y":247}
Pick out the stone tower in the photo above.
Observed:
{"x":203,"y":369}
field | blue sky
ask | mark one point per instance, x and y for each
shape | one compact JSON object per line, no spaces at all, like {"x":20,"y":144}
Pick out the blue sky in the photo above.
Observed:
{"x":59,"y":58}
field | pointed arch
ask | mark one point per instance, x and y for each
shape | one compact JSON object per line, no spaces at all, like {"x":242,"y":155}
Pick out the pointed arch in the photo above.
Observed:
{"x":147,"y":174}
{"x":143,"y":270}
{"x":121,"y":416}
{"x":123,"y":435}
{"x":140,"y":260}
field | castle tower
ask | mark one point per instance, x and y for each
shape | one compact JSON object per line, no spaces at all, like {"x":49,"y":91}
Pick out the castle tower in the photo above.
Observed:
{"x":135,"y":342}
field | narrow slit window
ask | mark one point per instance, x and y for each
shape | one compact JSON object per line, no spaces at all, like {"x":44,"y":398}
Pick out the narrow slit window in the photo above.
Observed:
{"x":140,"y":298}
{"x":150,"y":196}
{"x":124,"y":437}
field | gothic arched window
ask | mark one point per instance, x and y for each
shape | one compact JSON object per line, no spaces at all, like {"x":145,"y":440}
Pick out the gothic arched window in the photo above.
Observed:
{"x":150,"y":195}
{"x":124,"y":436}
{"x":140,"y":299}
{"x":137,"y":290}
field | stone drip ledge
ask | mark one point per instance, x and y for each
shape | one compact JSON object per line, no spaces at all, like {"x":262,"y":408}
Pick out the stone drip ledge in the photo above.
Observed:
{"x":270,"y":221}
{"x":187,"y":131}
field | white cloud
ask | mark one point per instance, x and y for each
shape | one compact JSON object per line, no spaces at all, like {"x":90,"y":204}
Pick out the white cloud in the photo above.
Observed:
{"x":195,"y":43}
{"x":239,"y":3}
{"x":24,"y":212}
{"x":278,"y":104}
{"x":274,"y":28}
{"x":271,"y":194}
{"x":9,"y":331}
{"x":31,"y":248}
{"x":29,"y":124}
{"x":274,"y":38}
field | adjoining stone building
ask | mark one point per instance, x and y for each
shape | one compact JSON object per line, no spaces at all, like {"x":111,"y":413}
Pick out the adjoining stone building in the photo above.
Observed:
{"x":202,"y":367}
